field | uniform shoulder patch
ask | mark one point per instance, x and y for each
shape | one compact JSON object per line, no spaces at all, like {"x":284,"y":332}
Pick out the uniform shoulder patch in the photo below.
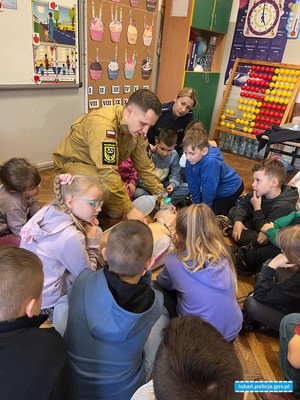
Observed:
{"x":109,"y":153}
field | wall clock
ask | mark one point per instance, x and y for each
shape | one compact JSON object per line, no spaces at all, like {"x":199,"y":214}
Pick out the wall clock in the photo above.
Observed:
{"x":263,"y":17}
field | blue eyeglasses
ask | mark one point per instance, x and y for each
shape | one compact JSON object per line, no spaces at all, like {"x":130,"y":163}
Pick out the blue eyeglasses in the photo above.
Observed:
{"x":93,"y":203}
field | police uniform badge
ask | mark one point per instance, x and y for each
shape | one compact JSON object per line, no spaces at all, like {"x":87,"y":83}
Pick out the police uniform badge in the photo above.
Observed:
{"x":109,"y":153}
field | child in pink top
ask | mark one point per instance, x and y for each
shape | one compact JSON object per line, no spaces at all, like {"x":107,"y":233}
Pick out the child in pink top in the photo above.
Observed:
{"x":20,"y":182}
{"x":129,"y":176}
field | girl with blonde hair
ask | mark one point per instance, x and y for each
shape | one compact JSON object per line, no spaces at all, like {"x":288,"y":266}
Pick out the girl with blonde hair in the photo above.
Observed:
{"x":201,"y":271}
{"x":65,"y":234}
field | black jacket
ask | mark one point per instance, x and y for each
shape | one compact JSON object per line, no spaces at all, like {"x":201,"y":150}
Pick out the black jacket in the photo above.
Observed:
{"x":34,"y":364}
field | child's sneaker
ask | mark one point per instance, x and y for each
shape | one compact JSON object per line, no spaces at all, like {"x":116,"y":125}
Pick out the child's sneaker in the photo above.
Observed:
{"x":225,"y":224}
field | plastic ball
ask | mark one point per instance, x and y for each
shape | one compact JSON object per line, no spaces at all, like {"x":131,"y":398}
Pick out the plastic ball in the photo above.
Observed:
{"x":245,"y":129}
{"x":227,"y":111}
{"x":250,"y":130}
{"x":228,"y":125}
{"x":279,"y":79}
{"x":253,"y":117}
{"x":273,"y":92}
{"x":222,"y":123}
{"x":241,"y":101}
{"x":287,"y":72}
{"x":252,"y":123}
{"x":237,"y":120}
{"x":267,"y":98}
{"x":276,"y":86}
{"x":294,"y":80}
{"x":268,"y":91}
{"x":239,"y":107}
{"x":231,"y":112}
{"x":223,"y":116}
{"x":274,"y":78}
{"x":277,"y":71}
{"x":232,"y":126}
{"x":281,"y":71}
{"x":272,"y":84}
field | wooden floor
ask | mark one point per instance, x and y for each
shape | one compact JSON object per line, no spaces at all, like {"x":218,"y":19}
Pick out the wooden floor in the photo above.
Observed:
{"x":257,"y":351}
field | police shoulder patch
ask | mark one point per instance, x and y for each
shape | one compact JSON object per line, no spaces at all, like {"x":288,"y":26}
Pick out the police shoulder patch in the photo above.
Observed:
{"x":109,"y":153}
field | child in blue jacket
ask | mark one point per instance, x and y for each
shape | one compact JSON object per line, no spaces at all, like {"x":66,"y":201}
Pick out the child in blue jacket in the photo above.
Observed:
{"x":210,"y":179}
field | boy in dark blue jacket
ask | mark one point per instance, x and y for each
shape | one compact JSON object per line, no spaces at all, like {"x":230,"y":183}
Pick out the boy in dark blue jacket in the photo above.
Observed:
{"x":210,"y":179}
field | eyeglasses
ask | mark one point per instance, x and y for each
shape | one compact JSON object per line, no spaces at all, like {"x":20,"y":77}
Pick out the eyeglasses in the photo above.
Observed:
{"x":93,"y":203}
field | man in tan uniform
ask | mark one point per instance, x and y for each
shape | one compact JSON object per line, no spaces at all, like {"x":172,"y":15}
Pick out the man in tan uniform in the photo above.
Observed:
{"x":100,"y":140}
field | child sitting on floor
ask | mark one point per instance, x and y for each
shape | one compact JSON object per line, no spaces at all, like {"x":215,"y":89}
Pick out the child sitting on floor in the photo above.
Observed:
{"x":111,"y":315}
{"x":34,"y":363}
{"x":210,"y":179}
{"x":270,"y":199}
{"x":65,"y":234}
{"x":20,"y":183}
{"x":201,"y":272}
{"x":166,"y":162}
{"x":277,"y":289}
{"x":129,"y":176}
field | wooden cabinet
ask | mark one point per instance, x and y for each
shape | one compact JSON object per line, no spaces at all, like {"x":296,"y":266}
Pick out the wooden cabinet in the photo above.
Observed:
{"x":212,"y":15}
{"x":206,"y":18}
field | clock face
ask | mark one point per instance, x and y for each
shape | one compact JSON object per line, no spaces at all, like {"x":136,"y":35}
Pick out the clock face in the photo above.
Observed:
{"x":263,"y":18}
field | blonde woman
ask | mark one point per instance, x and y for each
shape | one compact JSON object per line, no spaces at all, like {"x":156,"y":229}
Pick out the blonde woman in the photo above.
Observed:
{"x":176,"y":115}
{"x":201,"y":271}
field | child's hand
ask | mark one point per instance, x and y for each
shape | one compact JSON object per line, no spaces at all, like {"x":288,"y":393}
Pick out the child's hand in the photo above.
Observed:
{"x":256,"y":201}
{"x":152,"y":148}
{"x":267,"y":226}
{"x":91,"y":230}
{"x":262,"y":238}
{"x":131,"y":187}
{"x":238,"y":227}
{"x":170,"y":189}
{"x":280,"y":261}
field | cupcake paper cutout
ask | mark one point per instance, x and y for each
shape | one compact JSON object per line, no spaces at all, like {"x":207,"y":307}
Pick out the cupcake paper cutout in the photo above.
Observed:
{"x":146,"y":68}
{"x":115,"y":27}
{"x":147,"y":35}
{"x":113,"y":67}
{"x":132,"y":31}
{"x":134,"y":3}
{"x":96,"y":26}
{"x":151,"y":4}
{"x":95,"y":68}
{"x":129,"y":66}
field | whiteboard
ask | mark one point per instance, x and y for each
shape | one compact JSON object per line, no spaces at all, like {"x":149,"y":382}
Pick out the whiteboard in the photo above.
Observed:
{"x":23,"y":62}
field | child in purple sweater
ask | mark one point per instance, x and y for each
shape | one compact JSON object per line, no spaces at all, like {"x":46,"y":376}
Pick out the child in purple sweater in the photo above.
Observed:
{"x":201,"y":272}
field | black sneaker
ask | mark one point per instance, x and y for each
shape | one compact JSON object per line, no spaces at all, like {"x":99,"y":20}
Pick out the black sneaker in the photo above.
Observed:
{"x":225,"y":224}
{"x":238,"y":256}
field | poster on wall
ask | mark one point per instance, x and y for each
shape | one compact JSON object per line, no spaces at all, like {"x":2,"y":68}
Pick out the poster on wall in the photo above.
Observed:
{"x":121,"y":44}
{"x":55,"y":42}
{"x":260,"y":32}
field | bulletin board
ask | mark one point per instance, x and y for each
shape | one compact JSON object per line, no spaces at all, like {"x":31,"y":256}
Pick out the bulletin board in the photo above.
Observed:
{"x":39,"y":44}
{"x":120,"y":49}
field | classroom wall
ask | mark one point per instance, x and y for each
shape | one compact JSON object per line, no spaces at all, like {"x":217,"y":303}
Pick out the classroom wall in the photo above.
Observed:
{"x":290,"y":56}
{"x":33,"y":122}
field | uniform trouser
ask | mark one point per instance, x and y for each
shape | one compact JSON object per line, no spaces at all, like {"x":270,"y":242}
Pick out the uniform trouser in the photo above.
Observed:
{"x":178,"y":195}
{"x":287,"y":327}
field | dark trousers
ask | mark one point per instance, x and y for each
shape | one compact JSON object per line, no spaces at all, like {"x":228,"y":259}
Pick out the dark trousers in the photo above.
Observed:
{"x":222,"y":205}
{"x":265,"y":314}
